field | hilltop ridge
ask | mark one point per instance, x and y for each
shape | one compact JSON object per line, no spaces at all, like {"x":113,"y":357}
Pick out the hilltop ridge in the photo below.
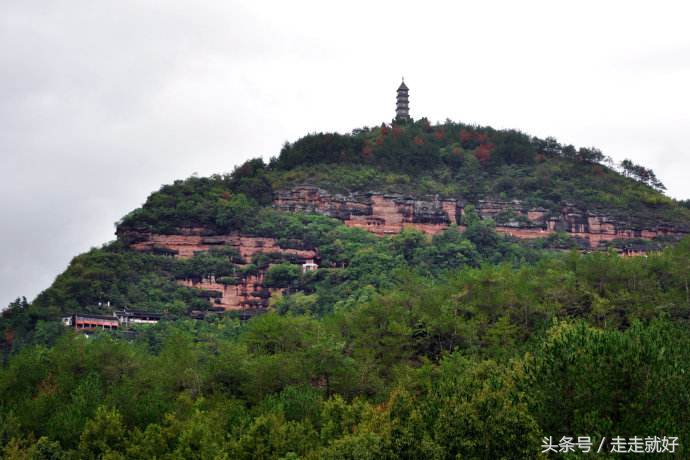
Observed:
{"x":418,"y":160}
{"x":404,"y":176}
{"x":239,"y":241}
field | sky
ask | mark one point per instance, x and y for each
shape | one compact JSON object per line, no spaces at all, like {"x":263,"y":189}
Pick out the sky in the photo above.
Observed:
{"x":103,"y":102}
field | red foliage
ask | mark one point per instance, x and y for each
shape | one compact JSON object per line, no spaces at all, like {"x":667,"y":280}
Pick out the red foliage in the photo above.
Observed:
{"x":418,"y":140}
{"x":465,"y":136}
{"x":367,"y":151}
{"x":9,"y":336}
{"x":483,"y":152}
{"x":384,"y":130}
{"x":397,"y":131}
{"x":439,"y":134}
{"x":379,"y":140}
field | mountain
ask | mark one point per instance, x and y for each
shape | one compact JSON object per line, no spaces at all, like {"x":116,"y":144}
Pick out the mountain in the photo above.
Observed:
{"x":384,"y":180}
{"x":426,"y":291}
{"x":226,"y":233}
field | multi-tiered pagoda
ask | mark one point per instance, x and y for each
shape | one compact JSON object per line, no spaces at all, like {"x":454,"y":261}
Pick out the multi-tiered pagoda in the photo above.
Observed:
{"x":402,"y":106}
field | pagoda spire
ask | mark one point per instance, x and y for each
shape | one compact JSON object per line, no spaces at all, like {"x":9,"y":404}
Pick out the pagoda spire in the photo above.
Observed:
{"x":402,"y":105}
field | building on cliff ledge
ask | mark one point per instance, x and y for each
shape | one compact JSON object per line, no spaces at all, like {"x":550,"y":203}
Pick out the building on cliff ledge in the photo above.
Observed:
{"x":309,"y":266}
{"x":90,"y":322}
{"x":402,"y":105}
{"x":128,"y":317}
{"x":118,"y":319}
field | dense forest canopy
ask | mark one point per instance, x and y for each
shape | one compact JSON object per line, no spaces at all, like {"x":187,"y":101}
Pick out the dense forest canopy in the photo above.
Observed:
{"x":481,"y":361}
{"x":467,"y":344}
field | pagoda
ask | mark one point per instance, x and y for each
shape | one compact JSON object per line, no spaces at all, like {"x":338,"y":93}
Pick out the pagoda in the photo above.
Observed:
{"x":402,"y":107}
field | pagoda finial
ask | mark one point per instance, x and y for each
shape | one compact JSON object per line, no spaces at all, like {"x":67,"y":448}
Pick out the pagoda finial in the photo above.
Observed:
{"x":402,"y":107}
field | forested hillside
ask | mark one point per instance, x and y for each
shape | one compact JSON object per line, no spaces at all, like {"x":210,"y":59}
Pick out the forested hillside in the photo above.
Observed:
{"x":464,"y":343}
{"x":453,"y":160}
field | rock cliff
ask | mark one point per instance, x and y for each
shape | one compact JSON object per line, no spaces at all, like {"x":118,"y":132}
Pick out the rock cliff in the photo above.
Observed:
{"x":249,"y":293}
{"x":384,"y":214}
{"x":191,"y":241}
{"x":381,"y":214}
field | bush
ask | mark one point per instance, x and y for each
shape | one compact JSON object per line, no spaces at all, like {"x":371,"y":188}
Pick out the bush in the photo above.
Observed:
{"x":282,"y":275}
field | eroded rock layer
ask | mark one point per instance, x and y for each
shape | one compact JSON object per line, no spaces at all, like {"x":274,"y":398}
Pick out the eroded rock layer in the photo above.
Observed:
{"x":382,"y":214}
{"x":186,"y":245}
{"x":249,"y":292}
{"x":388,"y":214}
{"x":378,"y":213}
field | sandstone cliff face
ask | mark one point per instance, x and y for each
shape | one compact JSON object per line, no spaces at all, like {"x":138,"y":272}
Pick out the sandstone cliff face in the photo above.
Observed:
{"x":249,"y":293}
{"x":185,"y":246}
{"x":388,"y":214}
{"x":381,"y":214}
{"x":378,"y":213}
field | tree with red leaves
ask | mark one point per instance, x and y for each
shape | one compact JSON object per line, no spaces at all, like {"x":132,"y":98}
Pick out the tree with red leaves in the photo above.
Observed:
{"x":483,"y":153}
{"x":466,"y":136}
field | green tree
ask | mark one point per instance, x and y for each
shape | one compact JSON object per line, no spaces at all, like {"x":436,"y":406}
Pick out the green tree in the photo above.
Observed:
{"x":103,"y":434}
{"x":283,"y":275}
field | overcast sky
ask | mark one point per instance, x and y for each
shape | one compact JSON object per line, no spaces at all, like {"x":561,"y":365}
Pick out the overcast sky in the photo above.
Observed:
{"x":102,"y":102}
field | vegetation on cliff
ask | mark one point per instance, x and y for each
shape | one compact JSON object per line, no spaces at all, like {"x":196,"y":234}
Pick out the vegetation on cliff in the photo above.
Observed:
{"x":462,"y":345}
{"x":453,"y":160}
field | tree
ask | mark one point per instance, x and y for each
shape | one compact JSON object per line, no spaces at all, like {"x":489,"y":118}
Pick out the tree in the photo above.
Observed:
{"x":236,"y":213}
{"x":283,"y":275}
{"x":477,"y":411}
{"x":641,"y":174}
{"x":591,"y":155}
{"x":513,"y":147}
{"x":103,"y":434}
{"x":483,"y":235}
{"x":587,"y":380}
{"x":408,"y":243}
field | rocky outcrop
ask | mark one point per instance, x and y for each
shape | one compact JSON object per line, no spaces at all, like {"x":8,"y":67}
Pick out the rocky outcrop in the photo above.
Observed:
{"x":185,"y":246}
{"x":249,"y":293}
{"x":382,"y":214}
{"x":385,"y":214}
{"x":514,"y":219}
